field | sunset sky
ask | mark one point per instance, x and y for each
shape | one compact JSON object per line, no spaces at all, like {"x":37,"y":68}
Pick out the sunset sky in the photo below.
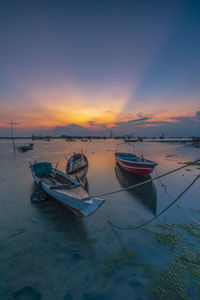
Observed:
{"x":88,"y":67}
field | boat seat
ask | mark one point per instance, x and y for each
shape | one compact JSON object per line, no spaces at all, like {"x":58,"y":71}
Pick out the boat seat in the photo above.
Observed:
{"x":64,"y":186}
{"x":43,"y":168}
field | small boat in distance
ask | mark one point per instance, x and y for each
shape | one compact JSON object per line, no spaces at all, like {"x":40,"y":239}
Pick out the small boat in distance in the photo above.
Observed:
{"x":135,"y":164}
{"x":130,"y":140}
{"x":25,"y":148}
{"x":65,"y":189}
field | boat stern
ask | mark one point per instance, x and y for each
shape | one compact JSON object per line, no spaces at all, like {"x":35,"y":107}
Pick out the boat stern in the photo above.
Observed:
{"x":91,"y":206}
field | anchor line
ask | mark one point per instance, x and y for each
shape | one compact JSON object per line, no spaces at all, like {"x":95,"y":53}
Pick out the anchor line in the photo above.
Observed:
{"x":170,"y":197}
{"x":149,"y":180}
{"x":159,"y":214}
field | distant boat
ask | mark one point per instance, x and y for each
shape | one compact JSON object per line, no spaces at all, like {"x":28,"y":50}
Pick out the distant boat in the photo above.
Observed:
{"x":145,"y":193}
{"x":130,"y":140}
{"x":25,"y":148}
{"x":65,"y":189}
{"x":196,"y":139}
{"x":134,"y":163}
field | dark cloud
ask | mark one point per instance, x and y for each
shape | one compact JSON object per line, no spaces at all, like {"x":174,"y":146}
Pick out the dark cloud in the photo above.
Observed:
{"x":68,"y":127}
{"x":139,"y":120}
{"x":91,"y":123}
{"x":143,"y":122}
{"x":133,"y":121}
{"x":176,"y":126}
{"x":182,"y":119}
{"x":187,"y":119}
{"x":76,"y":129}
{"x":104,"y":126}
{"x":140,"y":115}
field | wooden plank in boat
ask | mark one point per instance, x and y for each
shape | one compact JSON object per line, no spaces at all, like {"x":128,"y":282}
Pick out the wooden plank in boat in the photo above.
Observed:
{"x":78,"y":193}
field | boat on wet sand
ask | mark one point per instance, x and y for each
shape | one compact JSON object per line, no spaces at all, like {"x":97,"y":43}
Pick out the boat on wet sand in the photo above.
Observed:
{"x":65,"y":189}
{"x":76,"y":163}
{"x":77,"y":167}
{"x":134,"y":163}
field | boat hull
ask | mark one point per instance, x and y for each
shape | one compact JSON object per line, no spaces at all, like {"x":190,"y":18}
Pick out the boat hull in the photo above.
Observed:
{"x":78,"y":207}
{"x":141,"y":169}
{"x":76,"y":163}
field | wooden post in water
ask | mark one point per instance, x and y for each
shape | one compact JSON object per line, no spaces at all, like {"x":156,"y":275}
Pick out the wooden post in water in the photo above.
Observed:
{"x":12,"y":136}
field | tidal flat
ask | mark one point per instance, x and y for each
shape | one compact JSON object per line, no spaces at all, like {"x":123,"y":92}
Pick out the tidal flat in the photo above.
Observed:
{"x":46,"y":252}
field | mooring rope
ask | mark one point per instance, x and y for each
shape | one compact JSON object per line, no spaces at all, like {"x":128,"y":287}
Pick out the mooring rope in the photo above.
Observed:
{"x":149,"y":180}
{"x":159,"y":214}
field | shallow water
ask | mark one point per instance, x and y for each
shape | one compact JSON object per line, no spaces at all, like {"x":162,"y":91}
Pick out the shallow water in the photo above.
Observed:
{"x":48,"y":253}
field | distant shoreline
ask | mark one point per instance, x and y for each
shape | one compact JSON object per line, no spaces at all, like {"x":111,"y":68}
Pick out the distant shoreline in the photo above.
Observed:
{"x":99,"y":137}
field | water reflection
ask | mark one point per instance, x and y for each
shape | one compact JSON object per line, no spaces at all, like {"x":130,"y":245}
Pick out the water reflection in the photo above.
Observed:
{"x":145,"y":193}
{"x":60,"y":220}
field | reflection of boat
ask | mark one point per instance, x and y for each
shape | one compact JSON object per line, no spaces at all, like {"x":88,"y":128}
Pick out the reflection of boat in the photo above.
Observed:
{"x":38,"y":194}
{"x":65,"y":189}
{"x":146,"y":192}
{"x":25,"y":148}
{"x":134,"y":163}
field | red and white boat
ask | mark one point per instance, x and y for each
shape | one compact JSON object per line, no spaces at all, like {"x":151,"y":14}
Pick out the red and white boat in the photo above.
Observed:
{"x":135,"y":164}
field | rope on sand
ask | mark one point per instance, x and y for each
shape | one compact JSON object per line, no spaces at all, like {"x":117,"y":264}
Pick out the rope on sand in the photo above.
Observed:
{"x":149,"y":180}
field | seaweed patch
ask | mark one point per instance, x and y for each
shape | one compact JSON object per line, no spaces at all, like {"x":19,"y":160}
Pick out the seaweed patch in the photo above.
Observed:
{"x":116,"y":262}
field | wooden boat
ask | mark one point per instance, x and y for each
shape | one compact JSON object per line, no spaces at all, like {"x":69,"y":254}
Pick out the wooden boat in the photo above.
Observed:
{"x":76,"y":163}
{"x":65,"y":189}
{"x":77,"y":167}
{"x":134,"y":163}
{"x":25,"y":148}
{"x":145,"y":193}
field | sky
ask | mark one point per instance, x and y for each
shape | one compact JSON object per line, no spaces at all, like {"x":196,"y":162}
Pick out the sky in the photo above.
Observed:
{"x":90,"y":67}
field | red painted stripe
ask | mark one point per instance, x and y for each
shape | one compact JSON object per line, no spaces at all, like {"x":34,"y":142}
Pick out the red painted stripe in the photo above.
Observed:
{"x":135,"y":165}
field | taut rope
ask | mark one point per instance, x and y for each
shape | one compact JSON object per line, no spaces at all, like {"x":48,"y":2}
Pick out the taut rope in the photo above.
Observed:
{"x":149,"y":180}
{"x":160,"y":213}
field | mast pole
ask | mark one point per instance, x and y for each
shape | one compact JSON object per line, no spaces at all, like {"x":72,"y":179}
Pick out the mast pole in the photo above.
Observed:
{"x":11,"y":123}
